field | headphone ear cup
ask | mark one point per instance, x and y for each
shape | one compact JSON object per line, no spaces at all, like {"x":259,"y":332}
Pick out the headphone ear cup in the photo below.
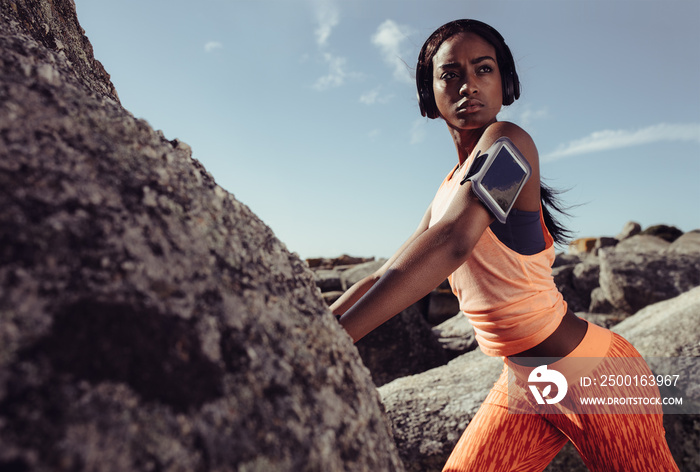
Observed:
{"x":430,"y":106}
{"x":508,"y":87}
{"x":511,"y":86}
{"x":511,"y":83}
{"x":426,"y":102}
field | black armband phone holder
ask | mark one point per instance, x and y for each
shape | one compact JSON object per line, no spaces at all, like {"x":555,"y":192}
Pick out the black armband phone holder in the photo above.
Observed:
{"x":498,"y":176}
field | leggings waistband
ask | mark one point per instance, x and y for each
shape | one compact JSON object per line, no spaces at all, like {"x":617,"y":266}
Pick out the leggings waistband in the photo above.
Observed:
{"x":596,"y":342}
{"x":585,"y":357}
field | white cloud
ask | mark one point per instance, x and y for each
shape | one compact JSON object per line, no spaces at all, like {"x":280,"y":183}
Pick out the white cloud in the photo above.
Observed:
{"x":391,"y":39}
{"x":336,"y":73}
{"x":327,"y":17}
{"x":369,"y":98}
{"x":374,"y":134}
{"x":615,"y":139}
{"x":529,"y":115}
{"x":375,"y":96}
{"x":212,"y":45}
{"x":523,"y":115}
{"x":419,"y":131}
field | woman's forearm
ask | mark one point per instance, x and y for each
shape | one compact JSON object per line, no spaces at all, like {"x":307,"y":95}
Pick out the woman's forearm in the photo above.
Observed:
{"x":420,"y":268}
{"x":353,"y":294}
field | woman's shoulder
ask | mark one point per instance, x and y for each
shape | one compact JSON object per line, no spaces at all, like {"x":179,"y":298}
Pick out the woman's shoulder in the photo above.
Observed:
{"x":515,"y":133}
{"x":508,"y":129}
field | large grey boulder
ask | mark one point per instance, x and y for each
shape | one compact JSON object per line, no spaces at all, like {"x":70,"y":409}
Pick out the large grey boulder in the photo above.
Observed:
{"x":148,"y":320}
{"x":564,"y":279}
{"x":662,"y":332}
{"x":404,"y":345}
{"x":630,"y":229}
{"x":642,"y":243}
{"x":430,"y":411}
{"x":622,"y":277}
{"x":54,"y":25}
{"x":586,"y":278}
{"x":327,"y":280}
{"x":577,"y":280}
{"x":354,"y":274}
{"x":642,"y":270}
{"x":665,"y":232}
{"x":442,"y":304}
{"x":688,"y":244}
{"x":666,"y":329}
{"x":456,"y":335}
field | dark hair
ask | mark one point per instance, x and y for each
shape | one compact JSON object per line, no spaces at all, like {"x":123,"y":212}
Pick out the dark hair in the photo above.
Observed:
{"x":511,"y":92}
{"x":550,"y":204}
{"x":424,"y":69}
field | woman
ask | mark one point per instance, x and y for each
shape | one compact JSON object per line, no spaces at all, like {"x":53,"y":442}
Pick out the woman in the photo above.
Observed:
{"x":501,"y":274}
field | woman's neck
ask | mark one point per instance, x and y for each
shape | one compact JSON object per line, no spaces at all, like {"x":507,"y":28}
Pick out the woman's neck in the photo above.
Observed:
{"x":466,"y":140}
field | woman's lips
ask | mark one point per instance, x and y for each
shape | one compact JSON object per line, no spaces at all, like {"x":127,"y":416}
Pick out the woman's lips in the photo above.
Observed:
{"x":470,"y":106}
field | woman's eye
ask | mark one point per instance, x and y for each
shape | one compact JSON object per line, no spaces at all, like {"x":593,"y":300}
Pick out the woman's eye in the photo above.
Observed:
{"x":485,"y":69}
{"x":448,"y":75}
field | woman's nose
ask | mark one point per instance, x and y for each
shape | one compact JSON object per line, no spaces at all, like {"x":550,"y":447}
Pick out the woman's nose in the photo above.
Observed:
{"x":467,"y":88}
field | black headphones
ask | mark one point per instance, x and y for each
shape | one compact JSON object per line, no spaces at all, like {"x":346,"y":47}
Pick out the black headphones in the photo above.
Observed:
{"x":424,"y":70}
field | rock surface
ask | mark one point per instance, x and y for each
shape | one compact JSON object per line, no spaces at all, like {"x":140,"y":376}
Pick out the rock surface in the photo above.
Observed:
{"x":54,"y":25}
{"x":429,"y":411}
{"x":624,"y":277}
{"x":666,"y":329}
{"x":148,"y":320}
{"x":456,"y":335}
{"x":665,"y":275}
{"x":413,"y":348}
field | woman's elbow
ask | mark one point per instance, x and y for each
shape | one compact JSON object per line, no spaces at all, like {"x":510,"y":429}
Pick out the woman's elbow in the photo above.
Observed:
{"x":457,"y":243}
{"x":459,"y":251}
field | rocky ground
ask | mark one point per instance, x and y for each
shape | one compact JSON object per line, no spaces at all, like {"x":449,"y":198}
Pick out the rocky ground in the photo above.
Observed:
{"x":643,"y":284}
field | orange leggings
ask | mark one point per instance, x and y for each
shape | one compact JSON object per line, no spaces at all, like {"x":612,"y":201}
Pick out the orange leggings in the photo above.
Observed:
{"x":499,"y":440}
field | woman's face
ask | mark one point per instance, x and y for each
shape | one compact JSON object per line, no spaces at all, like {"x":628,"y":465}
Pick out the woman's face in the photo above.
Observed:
{"x":467,"y":82}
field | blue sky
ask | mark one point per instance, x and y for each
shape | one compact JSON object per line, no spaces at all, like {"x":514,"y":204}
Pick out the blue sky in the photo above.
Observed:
{"x":305,"y":110}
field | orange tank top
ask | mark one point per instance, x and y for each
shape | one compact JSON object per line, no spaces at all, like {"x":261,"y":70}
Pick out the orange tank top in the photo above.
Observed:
{"x":510,"y":299}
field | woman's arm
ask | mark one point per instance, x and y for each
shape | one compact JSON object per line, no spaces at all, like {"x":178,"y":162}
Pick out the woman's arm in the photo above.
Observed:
{"x":421,"y":266}
{"x":431,"y":255}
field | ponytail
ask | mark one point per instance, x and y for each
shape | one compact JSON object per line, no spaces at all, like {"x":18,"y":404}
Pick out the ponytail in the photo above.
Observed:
{"x":551,"y":204}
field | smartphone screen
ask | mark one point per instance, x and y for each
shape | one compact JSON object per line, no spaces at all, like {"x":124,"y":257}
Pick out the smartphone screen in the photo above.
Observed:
{"x":503,"y":179}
